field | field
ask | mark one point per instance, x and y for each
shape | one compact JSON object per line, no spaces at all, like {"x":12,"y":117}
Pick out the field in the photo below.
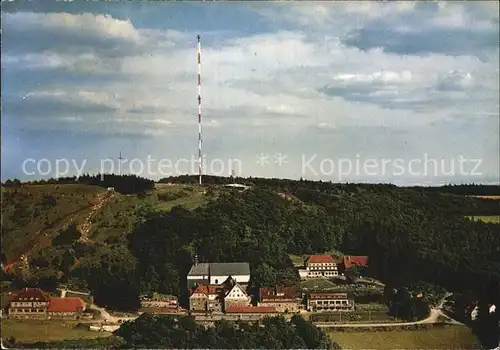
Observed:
{"x":30,"y":331}
{"x":495,"y":219}
{"x":454,"y":337}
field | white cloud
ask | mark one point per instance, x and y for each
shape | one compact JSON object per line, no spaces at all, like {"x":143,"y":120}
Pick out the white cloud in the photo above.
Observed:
{"x":270,"y":84}
{"x":98,"y":26}
{"x":376,"y":77}
{"x":455,"y":80}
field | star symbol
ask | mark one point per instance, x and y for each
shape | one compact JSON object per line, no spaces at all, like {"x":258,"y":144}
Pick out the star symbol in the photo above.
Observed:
{"x":280,"y":158}
{"x":262,"y":159}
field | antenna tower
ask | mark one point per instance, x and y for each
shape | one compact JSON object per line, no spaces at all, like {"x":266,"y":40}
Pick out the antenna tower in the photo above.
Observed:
{"x":120,"y":158}
{"x":233,"y":171}
{"x":200,"y":169}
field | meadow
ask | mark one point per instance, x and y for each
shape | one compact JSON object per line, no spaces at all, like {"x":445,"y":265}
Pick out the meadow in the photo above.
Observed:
{"x":451,"y":337}
{"x":30,"y":331}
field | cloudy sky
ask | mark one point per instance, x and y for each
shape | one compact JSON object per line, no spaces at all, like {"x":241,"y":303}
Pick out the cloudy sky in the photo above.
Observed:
{"x":311,"y":89}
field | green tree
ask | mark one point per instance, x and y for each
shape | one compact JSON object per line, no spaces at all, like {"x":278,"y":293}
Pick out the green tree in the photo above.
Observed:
{"x":352,"y":273}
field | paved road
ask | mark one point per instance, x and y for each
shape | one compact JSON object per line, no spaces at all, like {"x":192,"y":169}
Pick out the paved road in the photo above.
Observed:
{"x":432,"y":318}
{"x":105,"y":316}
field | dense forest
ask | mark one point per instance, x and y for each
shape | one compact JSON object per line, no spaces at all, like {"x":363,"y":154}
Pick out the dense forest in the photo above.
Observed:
{"x":167,"y":332}
{"x":411,"y":235}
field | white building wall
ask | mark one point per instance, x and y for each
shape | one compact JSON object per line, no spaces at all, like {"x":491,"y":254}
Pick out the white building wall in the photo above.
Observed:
{"x":245,"y":279}
{"x":303,"y":273}
{"x":196,"y":280}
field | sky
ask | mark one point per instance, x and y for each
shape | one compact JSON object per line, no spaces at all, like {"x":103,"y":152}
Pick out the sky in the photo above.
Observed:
{"x":399,"y":92}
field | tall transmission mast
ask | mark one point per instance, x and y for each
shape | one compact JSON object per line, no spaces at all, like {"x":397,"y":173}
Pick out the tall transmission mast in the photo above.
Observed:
{"x":200,"y":169}
{"x":120,"y":158}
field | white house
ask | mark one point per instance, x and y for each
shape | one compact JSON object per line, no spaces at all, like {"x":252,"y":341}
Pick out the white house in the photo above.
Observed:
{"x":319,"y":266}
{"x":473,"y":314}
{"x":236,"y":297}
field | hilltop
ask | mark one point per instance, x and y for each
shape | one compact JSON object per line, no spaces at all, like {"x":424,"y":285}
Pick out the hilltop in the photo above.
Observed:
{"x":119,"y":245}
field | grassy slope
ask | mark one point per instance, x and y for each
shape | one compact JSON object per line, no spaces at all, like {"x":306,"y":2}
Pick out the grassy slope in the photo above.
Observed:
{"x":109,"y":225}
{"x":190,"y":197}
{"x":319,"y":283}
{"x":487,"y":218}
{"x":30,"y":331}
{"x":454,"y":337}
{"x":17,"y":231}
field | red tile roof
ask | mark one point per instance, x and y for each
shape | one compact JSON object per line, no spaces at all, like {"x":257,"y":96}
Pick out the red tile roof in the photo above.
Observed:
{"x":320,"y":259}
{"x":250,"y":309}
{"x":31,"y":294}
{"x":65,"y":304}
{"x":355,"y":260}
{"x":209,"y":289}
{"x":281,"y":293}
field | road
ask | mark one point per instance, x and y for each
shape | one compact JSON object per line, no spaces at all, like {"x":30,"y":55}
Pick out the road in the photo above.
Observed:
{"x":432,"y":318}
{"x":435,"y":313}
{"x":105,"y":316}
{"x":108,"y":318}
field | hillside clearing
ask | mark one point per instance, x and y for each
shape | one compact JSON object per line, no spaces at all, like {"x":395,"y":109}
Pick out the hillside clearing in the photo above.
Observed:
{"x":297,"y":260}
{"x":34,"y":212}
{"x":169,"y":196}
{"x":492,"y":219}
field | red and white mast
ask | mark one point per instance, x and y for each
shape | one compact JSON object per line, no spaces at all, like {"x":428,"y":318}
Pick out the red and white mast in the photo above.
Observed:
{"x":200,"y":161}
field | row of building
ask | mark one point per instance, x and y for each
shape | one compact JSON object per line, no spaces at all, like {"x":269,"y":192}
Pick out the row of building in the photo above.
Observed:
{"x":231,"y":297}
{"x":315,"y":266}
{"x":327,"y":266}
{"x":221,"y":287}
{"x":34,"y":303}
{"x":215,"y":287}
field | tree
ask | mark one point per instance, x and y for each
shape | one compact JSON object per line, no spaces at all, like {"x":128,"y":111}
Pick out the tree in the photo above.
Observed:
{"x":149,"y":331}
{"x":352,"y":273}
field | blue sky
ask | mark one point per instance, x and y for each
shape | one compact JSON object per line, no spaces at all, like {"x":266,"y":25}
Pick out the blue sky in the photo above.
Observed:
{"x":331,"y":82}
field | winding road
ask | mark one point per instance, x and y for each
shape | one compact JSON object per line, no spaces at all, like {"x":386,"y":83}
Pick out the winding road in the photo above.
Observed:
{"x":435,"y":313}
{"x":432,"y":318}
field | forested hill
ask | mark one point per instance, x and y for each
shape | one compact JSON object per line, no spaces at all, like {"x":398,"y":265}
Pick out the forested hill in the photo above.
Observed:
{"x":409,"y":235}
{"x":463,"y":189}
